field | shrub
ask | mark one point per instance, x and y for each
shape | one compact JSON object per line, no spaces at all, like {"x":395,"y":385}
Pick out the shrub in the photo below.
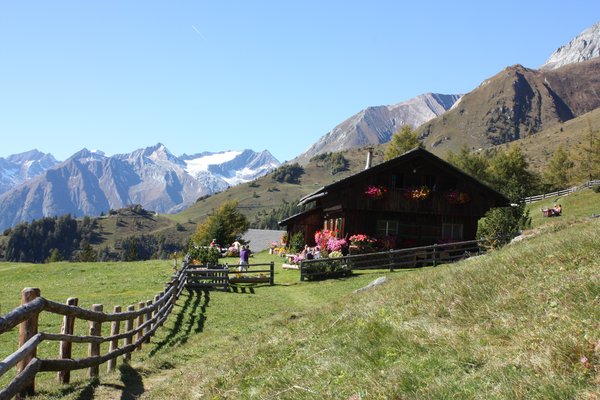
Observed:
{"x":289,"y":173}
{"x":297,"y":242}
{"x":596,"y":188}
{"x":205,"y":254}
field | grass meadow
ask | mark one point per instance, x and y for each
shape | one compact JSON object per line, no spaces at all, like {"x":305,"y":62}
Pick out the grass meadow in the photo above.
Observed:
{"x":522,"y":322}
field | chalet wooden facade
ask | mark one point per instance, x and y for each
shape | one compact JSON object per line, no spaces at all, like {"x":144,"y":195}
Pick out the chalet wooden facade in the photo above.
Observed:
{"x":412,"y":200}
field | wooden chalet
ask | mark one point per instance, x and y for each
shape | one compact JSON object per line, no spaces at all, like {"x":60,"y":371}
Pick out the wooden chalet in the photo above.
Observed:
{"x":412,"y":200}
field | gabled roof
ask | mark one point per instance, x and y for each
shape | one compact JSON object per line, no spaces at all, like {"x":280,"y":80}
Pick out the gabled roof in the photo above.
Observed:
{"x":403,"y":158}
{"x":296,"y":216}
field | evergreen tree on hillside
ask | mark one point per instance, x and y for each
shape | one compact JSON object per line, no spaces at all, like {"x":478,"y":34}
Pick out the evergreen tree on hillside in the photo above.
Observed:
{"x":588,"y":159}
{"x":511,"y":166}
{"x":271,"y":219}
{"x":402,"y":141}
{"x":557,"y":175}
{"x":475,"y":164}
{"x":335,"y":162}
{"x":289,"y":173}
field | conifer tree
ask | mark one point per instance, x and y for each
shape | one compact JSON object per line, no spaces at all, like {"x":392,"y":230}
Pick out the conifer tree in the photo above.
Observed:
{"x":557,"y":176}
{"x":402,"y":141}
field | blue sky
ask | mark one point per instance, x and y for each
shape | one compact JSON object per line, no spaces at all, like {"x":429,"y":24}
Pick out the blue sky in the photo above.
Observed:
{"x":277,"y":75}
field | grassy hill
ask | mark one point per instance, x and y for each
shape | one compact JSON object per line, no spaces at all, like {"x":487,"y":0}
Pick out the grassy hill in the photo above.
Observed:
{"x":540,"y":147}
{"x":513,"y":324}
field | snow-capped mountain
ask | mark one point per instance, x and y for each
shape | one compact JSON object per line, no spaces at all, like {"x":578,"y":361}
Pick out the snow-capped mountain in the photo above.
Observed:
{"x":583,"y":47}
{"x":89,"y":183}
{"x":234,"y":167}
{"x":376,"y":125}
{"x":18,"y":168}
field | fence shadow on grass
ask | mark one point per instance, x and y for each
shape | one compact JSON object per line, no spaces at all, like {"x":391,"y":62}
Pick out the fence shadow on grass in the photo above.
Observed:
{"x":190,"y":319}
{"x":133,"y":384}
{"x":239,"y":289}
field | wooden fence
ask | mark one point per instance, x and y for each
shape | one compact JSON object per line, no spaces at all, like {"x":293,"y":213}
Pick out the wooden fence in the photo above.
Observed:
{"x":221,"y":276}
{"x":563,"y":192}
{"x":139,"y":326}
{"x":393,"y":259}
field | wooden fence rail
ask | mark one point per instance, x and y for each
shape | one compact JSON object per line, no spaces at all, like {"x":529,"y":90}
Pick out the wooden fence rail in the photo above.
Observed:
{"x":150,"y":315}
{"x":393,"y":259}
{"x":563,"y":192}
{"x":221,"y":276}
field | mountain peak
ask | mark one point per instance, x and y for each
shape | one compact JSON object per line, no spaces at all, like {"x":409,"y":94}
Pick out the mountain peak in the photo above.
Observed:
{"x":31,"y":155}
{"x":583,"y":47}
{"x":377,"y":124}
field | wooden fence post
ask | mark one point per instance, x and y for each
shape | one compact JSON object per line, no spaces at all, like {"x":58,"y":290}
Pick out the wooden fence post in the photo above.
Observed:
{"x":140,"y":322}
{"x":128,"y":329}
{"x":155,"y":313}
{"x":435,"y":255}
{"x":66,"y":346}
{"x":94,"y":348}
{"x":115,"y":327}
{"x":27,"y":329}
{"x":148,"y":318}
{"x":272,"y":277}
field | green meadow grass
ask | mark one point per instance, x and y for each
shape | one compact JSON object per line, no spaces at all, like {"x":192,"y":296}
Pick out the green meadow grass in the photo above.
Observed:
{"x":513,"y":324}
{"x":576,"y":206}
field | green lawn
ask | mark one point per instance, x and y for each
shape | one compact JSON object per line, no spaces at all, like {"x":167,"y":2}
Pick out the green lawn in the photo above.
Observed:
{"x":513,"y":324}
{"x":576,"y":206}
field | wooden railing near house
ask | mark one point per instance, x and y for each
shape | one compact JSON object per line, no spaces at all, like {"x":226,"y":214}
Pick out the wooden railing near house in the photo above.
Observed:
{"x":563,"y":192}
{"x":391,"y":260}
{"x":221,"y":276}
{"x":139,"y":326}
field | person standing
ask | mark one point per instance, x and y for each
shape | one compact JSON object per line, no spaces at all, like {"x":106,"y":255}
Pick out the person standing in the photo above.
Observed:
{"x":244,"y":257}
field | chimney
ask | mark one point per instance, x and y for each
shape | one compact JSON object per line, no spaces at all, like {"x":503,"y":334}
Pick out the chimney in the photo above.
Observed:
{"x":369,"y":157}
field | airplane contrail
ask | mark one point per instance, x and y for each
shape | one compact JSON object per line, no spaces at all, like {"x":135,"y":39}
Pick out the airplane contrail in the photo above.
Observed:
{"x":198,"y":32}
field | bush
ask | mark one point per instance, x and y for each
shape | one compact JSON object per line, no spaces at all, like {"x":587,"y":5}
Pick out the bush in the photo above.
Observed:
{"x":289,"y":173}
{"x":205,"y":254}
{"x":335,"y":162}
{"x":297,"y":242}
{"x":596,"y":188}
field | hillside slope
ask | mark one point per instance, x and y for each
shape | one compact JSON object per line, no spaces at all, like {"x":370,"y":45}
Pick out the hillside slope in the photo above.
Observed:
{"x":571,"y":135}
{"x":516,"y":103}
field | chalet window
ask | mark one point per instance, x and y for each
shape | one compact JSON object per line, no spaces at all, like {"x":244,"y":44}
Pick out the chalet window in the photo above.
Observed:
{"x":452,"y":231}
{"x":387,"y":228}
{"x":334,"y":224}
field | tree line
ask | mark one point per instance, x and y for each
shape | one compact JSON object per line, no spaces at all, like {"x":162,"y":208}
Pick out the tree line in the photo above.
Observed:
{"x":64,"y":238}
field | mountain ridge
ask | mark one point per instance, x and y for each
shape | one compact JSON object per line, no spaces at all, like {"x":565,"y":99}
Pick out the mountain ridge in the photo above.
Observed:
{"x":376,"y":124}
{"x":91,"y":183}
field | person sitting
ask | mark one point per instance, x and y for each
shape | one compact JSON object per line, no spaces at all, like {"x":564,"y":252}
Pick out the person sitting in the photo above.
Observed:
{"x":557,"y":210}
{"x":309,"y":254}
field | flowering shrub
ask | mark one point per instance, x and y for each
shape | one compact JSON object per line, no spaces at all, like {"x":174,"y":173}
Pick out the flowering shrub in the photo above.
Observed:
{"x":361,"y":240}
{"x":322,"y":237}
{"x":417,"y":194}
{"x":335,"y":254}
{"x":334,"y":244}
{"x":456,"y":197}
{"x":375,"y":192}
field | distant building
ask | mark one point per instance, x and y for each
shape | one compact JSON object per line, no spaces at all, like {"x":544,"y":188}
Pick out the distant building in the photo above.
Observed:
{"x":414,"y":199}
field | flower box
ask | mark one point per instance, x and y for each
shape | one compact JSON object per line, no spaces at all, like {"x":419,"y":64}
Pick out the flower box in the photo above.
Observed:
{"x":250,"y":279}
